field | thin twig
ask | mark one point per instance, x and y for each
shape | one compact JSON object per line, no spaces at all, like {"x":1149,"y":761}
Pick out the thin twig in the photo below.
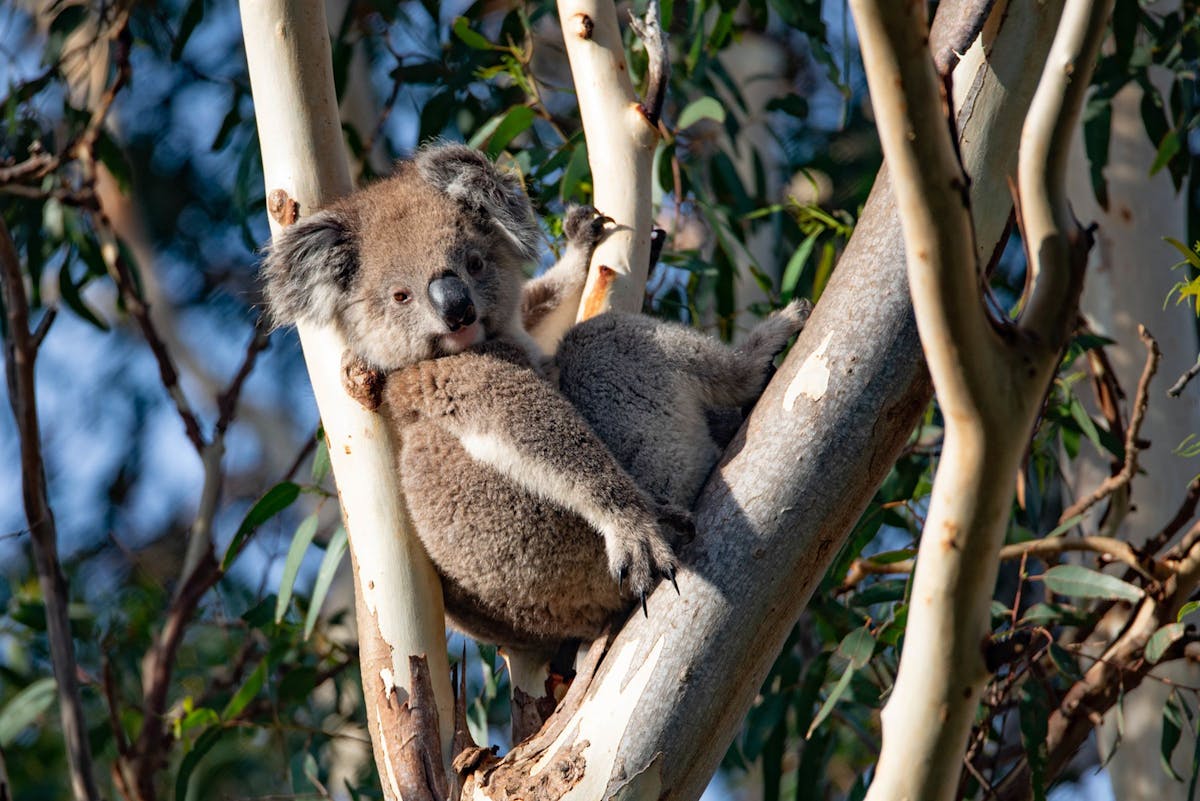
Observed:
{"x":1177,"y":388}
{"x":1186,"y":511}
{"x":140,"y":312}
{"x":43,"y":326}
{"x":227,"y":400}
{"x":1110,"y":548}
{"x":1140,"y":401}
{"x":20,"y":353}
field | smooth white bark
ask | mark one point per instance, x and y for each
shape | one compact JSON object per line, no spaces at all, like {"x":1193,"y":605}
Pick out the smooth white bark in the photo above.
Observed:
{"x":398,"y":594}
{"x":621,"y":145}
{"x":989,"y":388}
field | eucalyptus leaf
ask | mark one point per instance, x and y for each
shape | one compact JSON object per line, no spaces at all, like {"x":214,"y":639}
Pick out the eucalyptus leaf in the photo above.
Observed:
{"x":1081,"y":582}
{"x":24,"y":708}
{"x":329,"y":566}
{"x":1163,"y":639}
{"x":276,"y":499}
{"x":291,"y":566}
{"x":706,"y":108}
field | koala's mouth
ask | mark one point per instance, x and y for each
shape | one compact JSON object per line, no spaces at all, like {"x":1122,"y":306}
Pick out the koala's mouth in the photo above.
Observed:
{"x":463,"y":338}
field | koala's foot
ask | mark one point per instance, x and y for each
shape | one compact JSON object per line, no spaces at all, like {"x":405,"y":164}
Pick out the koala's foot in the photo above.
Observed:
{"x":584,"y":227}
{"x":639,"y":555}
{"x":361,"y":381}
{"x":768,"y":339}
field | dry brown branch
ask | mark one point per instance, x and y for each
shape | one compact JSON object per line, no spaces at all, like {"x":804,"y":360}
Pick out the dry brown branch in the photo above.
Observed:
{"x":1132,"y":444}
{"x":167,"y":371}
{"x":1120,"y":669}
{"x":1109,"y":549}
{"x":1177,"y":388}
{"x":1185,"y":512}
{"x":20,"y":354}
{"x":158,"y":664}
{"x":227,"y":400}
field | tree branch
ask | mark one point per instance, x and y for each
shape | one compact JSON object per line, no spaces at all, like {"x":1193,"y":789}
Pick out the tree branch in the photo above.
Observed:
{"x":989,"y":390}
{"x":658,"y":71}
{"x":398,"y":599}
{"x":20,"y":354}
{"x":911,"y":108}
{"x":1109,"y":549}
{"x":1177,"y":388}
{"x":1052,"y":237}
{"x":1130,"y":465}
{"x":621,"y":141}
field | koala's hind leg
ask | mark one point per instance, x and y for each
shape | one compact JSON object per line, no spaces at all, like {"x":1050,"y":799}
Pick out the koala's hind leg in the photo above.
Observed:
{"x":735,"y":377}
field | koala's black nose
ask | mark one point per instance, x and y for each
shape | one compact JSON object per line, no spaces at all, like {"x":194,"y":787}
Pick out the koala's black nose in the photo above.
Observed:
{"x":452,"y":300}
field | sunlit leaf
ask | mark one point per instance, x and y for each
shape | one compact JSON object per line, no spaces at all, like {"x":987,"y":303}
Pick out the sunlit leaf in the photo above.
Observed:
{"x":1078,"y":581}
{"x":278,"y":498}
{"x":291,"y":566}
{"x":705,"y":108}
{"x":329,"y":566}
{"x":472,"y":39}
{"x":1163,"y":639}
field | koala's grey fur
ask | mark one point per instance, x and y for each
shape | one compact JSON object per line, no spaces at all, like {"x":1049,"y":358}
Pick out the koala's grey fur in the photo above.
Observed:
{"x":538,"y":532}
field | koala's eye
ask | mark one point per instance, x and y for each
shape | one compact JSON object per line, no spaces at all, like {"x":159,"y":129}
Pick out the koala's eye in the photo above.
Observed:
{"x":474,"y":264}
{"x":401,"y":296}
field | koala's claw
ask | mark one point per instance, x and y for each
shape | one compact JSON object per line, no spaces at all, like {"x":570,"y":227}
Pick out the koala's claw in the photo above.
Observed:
{"x":670,"y":573}
{"x":640,"y":555}
{"x":645,"y":611}
{"x":362,"y":382}
{"x":584,"y":226}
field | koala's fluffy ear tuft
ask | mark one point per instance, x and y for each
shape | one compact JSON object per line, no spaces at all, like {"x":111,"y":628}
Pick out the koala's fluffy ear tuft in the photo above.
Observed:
{"x":309,"y":268}
{"x":472,"y":179}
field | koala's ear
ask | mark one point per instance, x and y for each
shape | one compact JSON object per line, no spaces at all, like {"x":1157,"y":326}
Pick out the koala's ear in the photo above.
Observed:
{"x":472,"y":179}
{"x":309,"y":268}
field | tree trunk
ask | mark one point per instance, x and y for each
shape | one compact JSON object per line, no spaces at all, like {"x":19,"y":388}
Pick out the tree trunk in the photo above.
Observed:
{"x":398,"y":597}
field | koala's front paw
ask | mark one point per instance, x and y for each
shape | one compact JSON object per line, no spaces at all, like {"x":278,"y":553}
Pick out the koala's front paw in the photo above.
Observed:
{"x":584,"y":226}
{"x":361,"y":381}
{"x":638,"y":556}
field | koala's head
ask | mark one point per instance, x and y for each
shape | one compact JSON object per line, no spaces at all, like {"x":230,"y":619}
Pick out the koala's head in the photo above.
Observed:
{"x":422,"y":264}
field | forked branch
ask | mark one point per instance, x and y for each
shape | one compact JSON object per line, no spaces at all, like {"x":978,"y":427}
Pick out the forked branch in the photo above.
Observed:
{"x":989,"y":387}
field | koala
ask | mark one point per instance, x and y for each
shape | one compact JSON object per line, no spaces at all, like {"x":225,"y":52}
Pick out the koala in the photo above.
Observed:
{"x":546,"y":506}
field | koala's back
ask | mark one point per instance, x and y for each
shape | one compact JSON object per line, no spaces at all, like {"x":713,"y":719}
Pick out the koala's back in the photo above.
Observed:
{"x":627,"y":376}
{"x":515,"y":569}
